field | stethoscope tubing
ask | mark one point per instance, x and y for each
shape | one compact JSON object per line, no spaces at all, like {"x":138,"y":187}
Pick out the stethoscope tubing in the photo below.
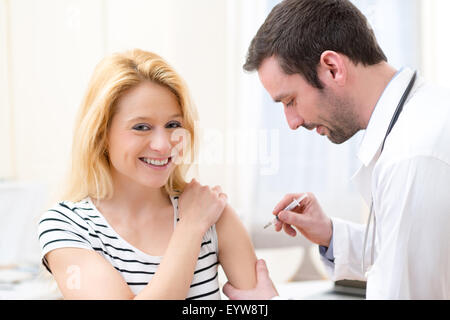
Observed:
{"x":394,"y":119}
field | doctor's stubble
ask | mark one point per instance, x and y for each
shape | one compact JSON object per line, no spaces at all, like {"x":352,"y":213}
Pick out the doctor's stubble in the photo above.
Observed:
{"x":340,"y":115}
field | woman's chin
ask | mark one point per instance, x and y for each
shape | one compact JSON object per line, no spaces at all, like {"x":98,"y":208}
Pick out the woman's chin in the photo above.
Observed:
{"x":153,"y":184}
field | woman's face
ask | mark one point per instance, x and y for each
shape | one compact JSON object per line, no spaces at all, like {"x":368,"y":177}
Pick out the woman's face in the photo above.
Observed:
{"x":140,"y":144}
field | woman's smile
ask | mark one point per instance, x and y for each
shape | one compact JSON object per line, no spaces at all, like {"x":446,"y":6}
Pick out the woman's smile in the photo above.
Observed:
{"x":156,"y":163}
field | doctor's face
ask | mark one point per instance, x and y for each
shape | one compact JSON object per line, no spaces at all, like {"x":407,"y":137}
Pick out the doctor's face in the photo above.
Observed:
{"x":306,"y":106}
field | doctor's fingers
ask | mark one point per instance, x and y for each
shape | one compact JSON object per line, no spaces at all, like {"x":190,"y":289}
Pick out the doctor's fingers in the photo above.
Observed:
{"x":286,"y":227}
{"x":231,"y":292}
{"x":264,"y":289}
{"x":293,"y":218}
{"x":289,"y":230}
{"x":287,"y":199}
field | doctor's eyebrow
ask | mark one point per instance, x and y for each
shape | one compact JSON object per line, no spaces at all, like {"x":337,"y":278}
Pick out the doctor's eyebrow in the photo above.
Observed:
{"x":280,"y":97}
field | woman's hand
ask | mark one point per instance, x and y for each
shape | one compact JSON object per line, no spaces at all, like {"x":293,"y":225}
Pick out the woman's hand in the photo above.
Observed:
{"x":201,"y":205}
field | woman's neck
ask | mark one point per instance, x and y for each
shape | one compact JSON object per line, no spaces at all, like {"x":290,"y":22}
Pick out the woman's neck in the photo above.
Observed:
{"x":133,"y":199}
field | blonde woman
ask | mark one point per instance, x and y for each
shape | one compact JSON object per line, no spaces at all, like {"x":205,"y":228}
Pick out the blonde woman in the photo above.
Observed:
{"x":130,"y":227}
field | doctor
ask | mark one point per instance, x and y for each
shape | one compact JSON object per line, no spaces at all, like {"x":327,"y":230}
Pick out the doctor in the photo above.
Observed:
{"x":320,"y":59}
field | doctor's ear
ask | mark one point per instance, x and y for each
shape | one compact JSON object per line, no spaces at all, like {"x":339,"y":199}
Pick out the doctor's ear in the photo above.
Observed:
{"x":332,"y":69}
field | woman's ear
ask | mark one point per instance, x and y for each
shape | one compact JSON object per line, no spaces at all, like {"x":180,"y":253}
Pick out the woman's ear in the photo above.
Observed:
{"x":332,"y":69}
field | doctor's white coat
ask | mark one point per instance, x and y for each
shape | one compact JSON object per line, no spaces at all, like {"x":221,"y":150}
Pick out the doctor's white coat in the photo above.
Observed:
{"x":410,"y":186}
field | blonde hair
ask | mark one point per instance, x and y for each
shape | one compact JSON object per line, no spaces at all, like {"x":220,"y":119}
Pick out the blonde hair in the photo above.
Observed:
{"x":90,"y":173}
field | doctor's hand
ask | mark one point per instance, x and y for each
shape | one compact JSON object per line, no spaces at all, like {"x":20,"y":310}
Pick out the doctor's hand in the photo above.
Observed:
{"x":264,"y":289}
{"x":308,"y":218}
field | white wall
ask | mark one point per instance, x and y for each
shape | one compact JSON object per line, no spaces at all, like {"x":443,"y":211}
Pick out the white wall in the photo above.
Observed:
{"x":435,"y":43}
{"x":6,"y":142}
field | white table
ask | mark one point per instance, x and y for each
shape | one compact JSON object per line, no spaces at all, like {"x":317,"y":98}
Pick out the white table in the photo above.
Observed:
{"x":312,"y":290}
{"x":300,"y":290}
{"x":35,"y":289}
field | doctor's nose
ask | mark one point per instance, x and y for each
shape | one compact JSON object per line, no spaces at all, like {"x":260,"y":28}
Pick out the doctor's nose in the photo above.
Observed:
{"x":294,"y":120}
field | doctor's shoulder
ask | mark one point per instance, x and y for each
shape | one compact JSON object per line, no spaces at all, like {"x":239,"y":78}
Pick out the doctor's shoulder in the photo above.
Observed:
{"x":424,"y":127}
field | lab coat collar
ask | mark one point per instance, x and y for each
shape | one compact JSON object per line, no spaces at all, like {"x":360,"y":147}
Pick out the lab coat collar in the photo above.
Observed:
{"x":370,"y":146}
{"x":382,"y":115}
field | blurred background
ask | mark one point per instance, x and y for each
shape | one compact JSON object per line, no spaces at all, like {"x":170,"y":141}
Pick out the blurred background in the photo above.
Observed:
{"x":49,"y":48}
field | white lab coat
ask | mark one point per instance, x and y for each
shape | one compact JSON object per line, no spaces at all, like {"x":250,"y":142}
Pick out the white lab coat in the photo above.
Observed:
{"x":410,"y":186}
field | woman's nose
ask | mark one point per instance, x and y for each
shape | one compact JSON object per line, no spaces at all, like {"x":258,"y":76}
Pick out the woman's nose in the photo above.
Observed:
{"x":160,"y":142}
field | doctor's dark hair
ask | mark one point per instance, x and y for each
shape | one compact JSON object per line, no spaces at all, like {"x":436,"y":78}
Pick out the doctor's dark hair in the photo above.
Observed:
{"x":297,"y":32}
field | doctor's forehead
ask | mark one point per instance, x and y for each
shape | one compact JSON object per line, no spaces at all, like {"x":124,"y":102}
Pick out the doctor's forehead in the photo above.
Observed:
{"x":277,"y":83}
{"x":270,"y":71}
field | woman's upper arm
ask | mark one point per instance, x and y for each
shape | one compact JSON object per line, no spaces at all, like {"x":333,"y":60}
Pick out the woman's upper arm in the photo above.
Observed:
{"x":236,"y":252}
{"x":84,"y":274}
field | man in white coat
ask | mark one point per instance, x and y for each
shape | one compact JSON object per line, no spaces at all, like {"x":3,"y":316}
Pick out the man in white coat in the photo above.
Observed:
{"x":322,"y":61}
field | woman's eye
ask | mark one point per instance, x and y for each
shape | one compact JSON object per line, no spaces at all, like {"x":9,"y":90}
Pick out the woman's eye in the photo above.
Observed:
{"x":290,"y":103}
{"x":173,"y":125}
{"x":141,"y":127}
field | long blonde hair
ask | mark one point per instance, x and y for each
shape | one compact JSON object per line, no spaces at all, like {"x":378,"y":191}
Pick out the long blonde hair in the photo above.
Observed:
{"x":90,"y":173}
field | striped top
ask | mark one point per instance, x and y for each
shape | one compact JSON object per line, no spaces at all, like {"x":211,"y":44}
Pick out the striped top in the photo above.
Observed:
{"x":81,"y":225}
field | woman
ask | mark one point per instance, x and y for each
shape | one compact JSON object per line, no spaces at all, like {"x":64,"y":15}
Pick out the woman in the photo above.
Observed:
{"x":130,"y":226}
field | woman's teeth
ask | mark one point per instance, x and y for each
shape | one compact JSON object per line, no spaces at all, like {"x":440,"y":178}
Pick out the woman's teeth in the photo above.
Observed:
{"x":155,"y":162}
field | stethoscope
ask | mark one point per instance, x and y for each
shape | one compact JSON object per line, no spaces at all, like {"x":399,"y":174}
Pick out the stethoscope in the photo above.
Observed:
{"x":394,"y":119}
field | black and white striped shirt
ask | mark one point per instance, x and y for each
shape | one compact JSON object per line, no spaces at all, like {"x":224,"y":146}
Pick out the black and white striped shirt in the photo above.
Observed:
{"x":81,"y":225}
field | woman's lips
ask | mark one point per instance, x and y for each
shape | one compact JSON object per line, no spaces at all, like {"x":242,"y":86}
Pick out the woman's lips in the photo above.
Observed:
{"x":157,"y":164}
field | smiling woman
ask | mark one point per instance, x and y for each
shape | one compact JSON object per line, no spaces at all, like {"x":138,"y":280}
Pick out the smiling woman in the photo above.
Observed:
{"x":114,"y":76}
{"x":145,"y":142}
{"x":130,"y":227}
